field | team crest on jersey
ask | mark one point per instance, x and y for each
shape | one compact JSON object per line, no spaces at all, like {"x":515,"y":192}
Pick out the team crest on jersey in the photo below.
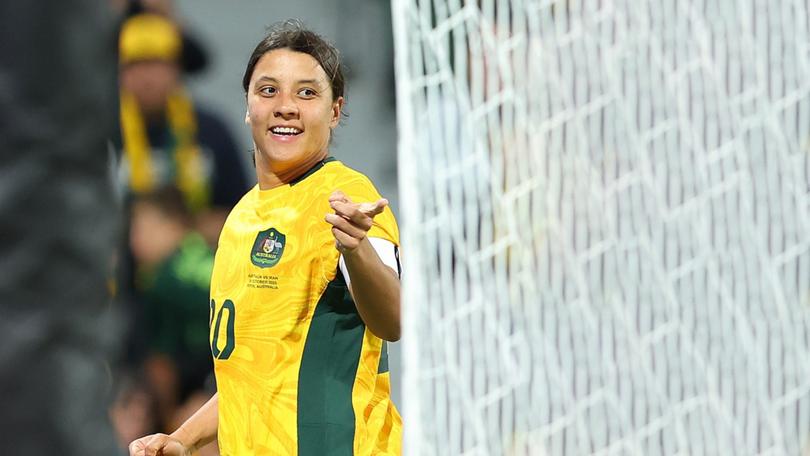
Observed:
{"x":267,"y":248}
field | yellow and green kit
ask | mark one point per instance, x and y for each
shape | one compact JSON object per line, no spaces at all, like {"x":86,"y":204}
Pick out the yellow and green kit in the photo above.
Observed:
{"x":298,"y":373}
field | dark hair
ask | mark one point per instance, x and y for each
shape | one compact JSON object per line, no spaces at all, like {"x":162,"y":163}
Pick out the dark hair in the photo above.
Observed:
{"x":169,"y":201}
{"x":292,"y":35}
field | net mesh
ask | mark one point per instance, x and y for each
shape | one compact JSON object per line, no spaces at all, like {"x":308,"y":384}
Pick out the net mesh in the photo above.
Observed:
{"x":606,"y":226}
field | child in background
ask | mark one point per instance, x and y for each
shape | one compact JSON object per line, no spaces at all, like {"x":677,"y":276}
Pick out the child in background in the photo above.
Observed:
{"x":173,"y":273}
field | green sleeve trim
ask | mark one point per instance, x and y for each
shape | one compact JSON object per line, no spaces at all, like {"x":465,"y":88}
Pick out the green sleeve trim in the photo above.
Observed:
{"x":383,"y":366}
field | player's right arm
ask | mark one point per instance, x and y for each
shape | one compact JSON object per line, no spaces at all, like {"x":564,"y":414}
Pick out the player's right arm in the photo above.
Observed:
{"x":195,"y":433}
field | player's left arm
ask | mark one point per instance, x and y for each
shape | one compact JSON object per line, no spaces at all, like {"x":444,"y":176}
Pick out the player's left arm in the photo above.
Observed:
{"x":374,"y":286}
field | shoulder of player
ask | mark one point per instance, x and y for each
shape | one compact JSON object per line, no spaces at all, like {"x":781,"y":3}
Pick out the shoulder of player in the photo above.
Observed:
{"x":348,"y":180}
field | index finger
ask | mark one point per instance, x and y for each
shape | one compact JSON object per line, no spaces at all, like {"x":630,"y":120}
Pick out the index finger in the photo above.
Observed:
{"x":375,"y":208}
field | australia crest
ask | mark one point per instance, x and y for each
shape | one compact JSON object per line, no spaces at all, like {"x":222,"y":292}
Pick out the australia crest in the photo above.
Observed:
{"x":267,"y":248}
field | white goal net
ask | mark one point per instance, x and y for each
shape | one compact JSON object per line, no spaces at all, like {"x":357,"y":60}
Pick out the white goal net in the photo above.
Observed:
{"x":606,"y":226}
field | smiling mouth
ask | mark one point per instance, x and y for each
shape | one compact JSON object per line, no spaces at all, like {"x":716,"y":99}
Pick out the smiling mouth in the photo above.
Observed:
{"x":285,"y":131}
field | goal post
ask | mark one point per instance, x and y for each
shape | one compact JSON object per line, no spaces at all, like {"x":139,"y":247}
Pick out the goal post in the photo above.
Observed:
{"x":605,"y":226}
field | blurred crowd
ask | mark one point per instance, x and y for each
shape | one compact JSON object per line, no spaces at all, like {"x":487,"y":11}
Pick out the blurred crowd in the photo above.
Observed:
{"x":180,"y":173}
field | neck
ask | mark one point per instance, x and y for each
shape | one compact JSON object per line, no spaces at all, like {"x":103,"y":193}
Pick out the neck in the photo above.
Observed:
{"x":274,"y":174}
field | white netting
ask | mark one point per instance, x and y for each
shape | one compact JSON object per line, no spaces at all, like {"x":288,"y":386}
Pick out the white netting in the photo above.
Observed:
{"x":606,"y":226}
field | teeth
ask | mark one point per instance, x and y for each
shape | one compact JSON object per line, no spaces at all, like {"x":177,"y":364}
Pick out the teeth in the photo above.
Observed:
{"x":285,"y":130}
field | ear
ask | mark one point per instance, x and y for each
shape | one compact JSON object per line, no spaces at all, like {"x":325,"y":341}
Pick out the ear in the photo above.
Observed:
{"x":247,"y":116}
{"x":337,"y":105}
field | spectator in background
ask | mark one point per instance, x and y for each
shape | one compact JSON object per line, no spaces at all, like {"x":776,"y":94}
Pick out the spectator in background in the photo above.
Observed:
{"x":173,"y":274}
{"x":193,"y":57}
{"x":165,"y":137}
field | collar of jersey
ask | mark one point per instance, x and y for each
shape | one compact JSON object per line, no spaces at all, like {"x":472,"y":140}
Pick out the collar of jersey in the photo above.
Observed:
{"x":312,"y":170}
{"x":270,"y":193}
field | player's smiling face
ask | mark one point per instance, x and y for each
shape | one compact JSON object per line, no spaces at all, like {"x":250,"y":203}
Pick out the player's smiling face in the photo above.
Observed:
{"x":291,"y":112}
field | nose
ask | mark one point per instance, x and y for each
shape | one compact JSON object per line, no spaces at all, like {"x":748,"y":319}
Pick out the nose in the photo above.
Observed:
{"x":286,"y":108}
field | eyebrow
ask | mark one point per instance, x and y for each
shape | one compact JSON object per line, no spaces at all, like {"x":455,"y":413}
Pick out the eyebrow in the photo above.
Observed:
{"x":300,"y":81}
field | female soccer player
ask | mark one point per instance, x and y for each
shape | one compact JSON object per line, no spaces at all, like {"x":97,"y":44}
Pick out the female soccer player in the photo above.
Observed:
{"x":305,"y":287}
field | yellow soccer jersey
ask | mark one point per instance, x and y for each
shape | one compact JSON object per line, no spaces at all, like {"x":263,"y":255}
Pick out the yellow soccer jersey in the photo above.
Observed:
{"x":297,"y":371}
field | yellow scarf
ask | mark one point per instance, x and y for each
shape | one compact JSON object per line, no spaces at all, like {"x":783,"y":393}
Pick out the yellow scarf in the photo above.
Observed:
{"x":189,"y":173}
